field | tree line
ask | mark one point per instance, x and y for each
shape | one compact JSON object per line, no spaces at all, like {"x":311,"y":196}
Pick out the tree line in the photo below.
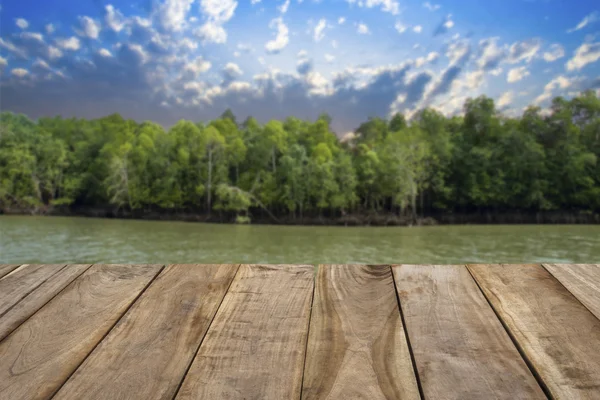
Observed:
{"x":294,"y":168}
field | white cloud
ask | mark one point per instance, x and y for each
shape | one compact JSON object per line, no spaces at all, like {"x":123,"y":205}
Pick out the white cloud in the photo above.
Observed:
{"x":516,"y":74}
{"x":418,"y":29}
{"x":50,"y":29}
{"x":21,"y":23}
{"x":89,"y":27}
{"x":218,"y":10}
{"x":341,"y":20}
{"x":41,"y":64}
{"x":32,"y":36}
{"x":490,"y":53}
{"x":253,"y":2}
{"x":302,"y":54}
{"x":457,"y":50}
{"x":114,"y":18}
{"x":281,"y":39}
{"x":197,"y":66}
{"x":524,"y":51}
{"x":54,"y":52}
{"x":319,"y":33}
{"x":233,"y":70}
{"x":505,"y":99}
{"x":211,"y":32}
{"x":496,"y":72}
{"x":334,"y":44}
{"x":560,"y":82}
{"x":284,"y":7}
{"x":431,"y":7}
{"x":363,"y":29}
{"x":3,"y":62}
{"x":589,"y":19}
{"x":448,"y":24}
{"x":173,"y":14}
{"x":390,"y":6}
{"x":329,"y":58}
{"x":189,"y":44}
{"x":19,"y":72}
{"x":71,"y":43}
{"x":400,"y":27}
{"x":431,"y":57}
{"x":104,"y":53}
{"x":556,"y":51}
{"x":587,"y":53}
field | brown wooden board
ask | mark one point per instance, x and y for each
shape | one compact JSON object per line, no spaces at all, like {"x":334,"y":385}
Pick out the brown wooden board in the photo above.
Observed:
{"x":583,"y":280}
{"x":37,"y":298}
{"x":357,"y":346}
{"x":557,"y":334}
{"x":459,"y":345}
{"x":148,"y":352}
{"x":7,"y":268}
{"x":23,"y":281}
{"x":39,"y":356}
{"x":254,"y":349}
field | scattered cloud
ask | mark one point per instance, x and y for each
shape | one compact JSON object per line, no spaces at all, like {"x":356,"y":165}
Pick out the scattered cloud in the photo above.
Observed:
{"x":431,"y":7}
{"x":587,"y":20}
{"x":400,"y":27}
{"x":281,"y":37}
{"x":555,"y":52}
{"x":390,"y":6}
{"x":113,"y":18}
{"x":71,"y":43}
{"x":284,"y":6}
{"x":88,"y":28}
{"x":418,"y":29}
{"x":329,"y":58}
{"x":363,"y":29}
{"x":524,"y":51}
{"x":341,"y":20}
{"x":560,"y":82}
{"x":19,"y":72}
{"x":587,"y":53}
{"x":50,"y":29}
{"x":319,"y":31}
{"x":444,"y":26}
{"x":516,"y":74}
{"x":21,"y":23}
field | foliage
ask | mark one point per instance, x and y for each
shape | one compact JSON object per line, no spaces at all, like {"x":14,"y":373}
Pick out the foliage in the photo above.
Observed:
{"x":479,"y":161}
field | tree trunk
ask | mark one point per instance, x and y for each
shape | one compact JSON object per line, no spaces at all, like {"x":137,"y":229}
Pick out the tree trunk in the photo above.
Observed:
{"x":209,"y":183}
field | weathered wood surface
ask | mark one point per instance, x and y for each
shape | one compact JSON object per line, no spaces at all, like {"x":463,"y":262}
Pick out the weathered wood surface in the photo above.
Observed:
{"x":460,"y":348}
{"x":7,"y":268}
{"x":267,"y":332}
{"x":38,"y":357}
{"x":18,"y":284}
{"x":255,"y":346}
{"x":356,"y":345}
{"x":559,"y":336}
{"x":38,"y":297}
{"x":148,"y":352}
{"x":583,"y":280}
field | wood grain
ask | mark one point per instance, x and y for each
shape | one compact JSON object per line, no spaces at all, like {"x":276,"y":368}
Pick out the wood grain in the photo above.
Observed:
{"x":20,"y":283}
{"x":40,"y":296}
{"x":148,"y":352}
{"x":38,"y":357}
{"x":559,"y":336}
{"x":255,"y":346}
{"x":460,"y":347}
{"x":583,"y":280}
{"x":356,"y":345}
{"x":7,"y":268}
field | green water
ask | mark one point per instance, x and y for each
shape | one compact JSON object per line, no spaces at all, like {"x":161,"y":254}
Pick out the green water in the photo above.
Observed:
{"x":26,"y":239}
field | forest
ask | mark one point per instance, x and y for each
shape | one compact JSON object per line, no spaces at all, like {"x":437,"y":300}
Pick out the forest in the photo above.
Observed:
{"x":480,"y":161}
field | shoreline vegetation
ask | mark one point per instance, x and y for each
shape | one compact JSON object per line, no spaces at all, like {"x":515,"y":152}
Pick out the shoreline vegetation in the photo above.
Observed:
{"x":480,"y":167}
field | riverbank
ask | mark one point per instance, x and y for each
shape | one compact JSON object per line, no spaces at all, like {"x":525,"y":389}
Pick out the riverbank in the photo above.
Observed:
{"x":366,"y":219}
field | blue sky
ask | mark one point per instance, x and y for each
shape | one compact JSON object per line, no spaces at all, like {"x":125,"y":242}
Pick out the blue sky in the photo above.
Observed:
{"x":165,"y":60}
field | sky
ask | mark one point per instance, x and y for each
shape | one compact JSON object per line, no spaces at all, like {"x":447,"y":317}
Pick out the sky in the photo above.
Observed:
{"x":166,"y":60}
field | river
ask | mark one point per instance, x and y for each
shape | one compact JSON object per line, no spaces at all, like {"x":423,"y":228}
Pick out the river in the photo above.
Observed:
{"x":31,"y":239}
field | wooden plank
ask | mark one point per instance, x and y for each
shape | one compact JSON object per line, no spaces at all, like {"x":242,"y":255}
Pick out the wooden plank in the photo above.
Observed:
{"x":255,"y":346}
{"x":559,"y":336}
{"x":460,"y":347}
{"x":40,"y":296}
{"x":356,"y":345}
{"x":148,"y":352}
{"x":38,"y":357}
{"x":583,"y":280}
{"x":7,"y":268}
{"x":20,"y":283}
